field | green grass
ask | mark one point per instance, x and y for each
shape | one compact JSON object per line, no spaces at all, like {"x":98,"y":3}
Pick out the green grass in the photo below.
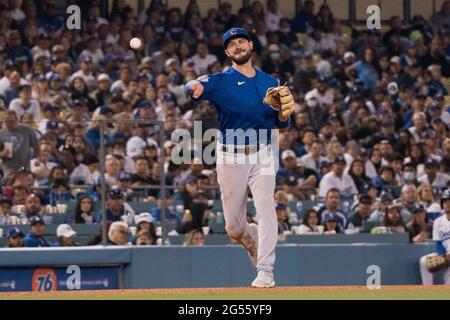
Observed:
{"x":252,"y":294}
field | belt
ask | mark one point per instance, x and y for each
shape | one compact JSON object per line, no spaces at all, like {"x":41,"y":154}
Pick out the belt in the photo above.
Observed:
{"x":243,"y":149}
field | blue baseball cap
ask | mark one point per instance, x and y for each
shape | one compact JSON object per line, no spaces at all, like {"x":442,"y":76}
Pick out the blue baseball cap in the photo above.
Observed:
{"x":339,"y":159}
{"x":105,"y":110}
{"x":35,"y":220}
{"x":115,"y":193}
{"x":234,"y":33}
{"x":431,"y":163}
{"x":145,"y":104}
{"x":14,"y":232}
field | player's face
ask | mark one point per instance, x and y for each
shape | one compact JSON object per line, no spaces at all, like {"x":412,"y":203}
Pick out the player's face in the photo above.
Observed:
{"x":239,"y":50}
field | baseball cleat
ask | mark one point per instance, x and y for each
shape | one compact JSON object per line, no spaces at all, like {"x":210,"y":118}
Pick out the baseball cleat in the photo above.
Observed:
{"x":253,"y":254}
{"x":263,"y":280}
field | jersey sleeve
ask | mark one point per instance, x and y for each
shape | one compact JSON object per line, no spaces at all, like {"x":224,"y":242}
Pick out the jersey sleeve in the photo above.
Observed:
{"x":210,"y":83}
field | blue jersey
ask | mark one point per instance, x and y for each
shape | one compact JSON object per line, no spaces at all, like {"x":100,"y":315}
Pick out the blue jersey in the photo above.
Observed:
{"x":239,"y":102}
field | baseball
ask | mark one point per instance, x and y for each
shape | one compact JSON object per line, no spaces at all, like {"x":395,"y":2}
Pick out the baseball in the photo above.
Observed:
{"x":135,"y":43}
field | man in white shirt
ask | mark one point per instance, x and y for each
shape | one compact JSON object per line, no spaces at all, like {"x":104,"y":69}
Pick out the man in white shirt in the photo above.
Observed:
{"x":273,"y":16}
{"x":314,"y":158}
{"x":42,"y":47}
{"x":433,"y":177}
{"x":321,"y":93}
{"x":85,"y":72}
{"x":24,"y":104}
{"x":203,"y":59}
{"x":336,"y":178}
{"x":420,"y":126}
{"x":41,"y":166}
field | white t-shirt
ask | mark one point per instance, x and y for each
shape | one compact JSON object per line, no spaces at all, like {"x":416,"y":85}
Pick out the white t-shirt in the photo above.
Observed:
{"x":273,"y":20}
{"x":345,"y":184}
{"x":440,"y":181}
{"x":34,"y":108}
{"x":135,"y":146}
{"x":201,"y":64}
{"x":310,"y":163}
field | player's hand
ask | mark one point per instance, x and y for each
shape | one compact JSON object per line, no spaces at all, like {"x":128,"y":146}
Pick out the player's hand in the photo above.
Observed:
{"x":287,"y":104}
{"x":195,"y":88}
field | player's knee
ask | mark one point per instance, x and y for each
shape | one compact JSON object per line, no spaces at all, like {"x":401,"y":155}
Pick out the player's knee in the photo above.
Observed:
{"x":234,"y":232}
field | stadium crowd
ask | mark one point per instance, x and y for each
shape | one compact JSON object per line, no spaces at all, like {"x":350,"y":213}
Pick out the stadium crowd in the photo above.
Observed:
{"x":370,"y":135}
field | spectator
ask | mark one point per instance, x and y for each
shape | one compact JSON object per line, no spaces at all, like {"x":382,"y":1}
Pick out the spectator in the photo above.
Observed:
{"x":283,"y":219}
{"x":84,"y":211}
{"x":314,"y":157}
{"x":144,"y":222}
{"x":35,"y":237}
{"x":118,"y":234}
{"x":410,"y":173}
{"x":331,"y":225}
{"x":273,"y":16}
{"x":66,"y":236}
{"x":337,"y":179}
{"x":171,"y":216}
{"x":393,"y":220}
{"x":305,"y":19}
{"x":365,"y":70}
{"x":42,"y":165}
{"x":408,"y":201}
{"x":425,"y":195}
{"x":362,"y":212}
{"x":15,"y":238}
{"x":437,"y":180}
{"x":22,"y":139}
{"x":386,"y":179}
{"x":33,"y":207}
{"x":25,"y":104}
{"x":310,"y":223}
{"x":5,"y":211}
{"x":419,"y":227}
{"x":116,"y":208}
{"x":321,"y":93}
{"x":332,"y":202}
{"x":357,"y":172}
{"x":441,"y":19}
{"x":194,"y":238}
{"x":143,"y":238}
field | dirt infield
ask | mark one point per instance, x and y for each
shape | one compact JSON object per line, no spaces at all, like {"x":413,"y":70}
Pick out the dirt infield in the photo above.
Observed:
{"x":284,"y":293}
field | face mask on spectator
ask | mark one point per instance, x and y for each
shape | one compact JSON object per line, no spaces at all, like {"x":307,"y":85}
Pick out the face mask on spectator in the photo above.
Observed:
{"x":409,"y":176}
{"x":275,"y":56}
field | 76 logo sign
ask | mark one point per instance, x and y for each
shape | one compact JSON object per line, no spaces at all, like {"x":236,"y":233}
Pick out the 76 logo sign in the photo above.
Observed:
{"x":44,"y":280}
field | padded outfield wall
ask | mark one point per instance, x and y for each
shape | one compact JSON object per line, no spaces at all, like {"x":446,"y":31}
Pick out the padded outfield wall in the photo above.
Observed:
{"x":216,"y":266}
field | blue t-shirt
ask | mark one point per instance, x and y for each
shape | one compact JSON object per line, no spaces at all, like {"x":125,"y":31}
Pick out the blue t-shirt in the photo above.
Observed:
{"x":367,"y":74}
{"x":239,"y":102}
{"x":33,"y":241}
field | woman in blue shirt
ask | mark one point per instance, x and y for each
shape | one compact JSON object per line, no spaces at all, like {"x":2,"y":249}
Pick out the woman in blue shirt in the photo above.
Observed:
{"x":365,"y":70}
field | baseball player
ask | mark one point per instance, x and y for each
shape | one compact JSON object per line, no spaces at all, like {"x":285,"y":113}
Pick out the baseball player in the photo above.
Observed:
{"x":441,"y":234}
{"x":245,"y":157}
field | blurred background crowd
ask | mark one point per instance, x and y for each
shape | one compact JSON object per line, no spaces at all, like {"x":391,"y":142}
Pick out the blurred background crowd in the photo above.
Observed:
{"x":369,"y":141}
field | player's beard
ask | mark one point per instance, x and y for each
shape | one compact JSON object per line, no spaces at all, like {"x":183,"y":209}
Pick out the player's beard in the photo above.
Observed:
{"x":241,"y":59}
